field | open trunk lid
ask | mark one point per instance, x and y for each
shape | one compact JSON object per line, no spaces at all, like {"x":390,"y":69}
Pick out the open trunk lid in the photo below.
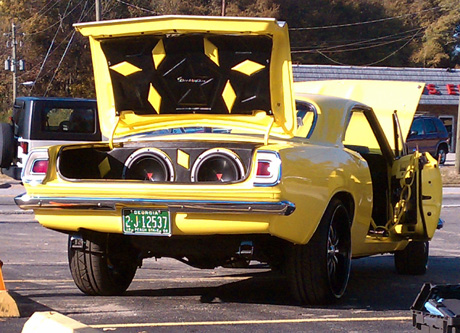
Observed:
{"x":192,"y":70}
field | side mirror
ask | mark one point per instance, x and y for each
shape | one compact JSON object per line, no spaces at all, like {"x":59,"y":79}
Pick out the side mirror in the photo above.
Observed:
{"x":412,"y":133}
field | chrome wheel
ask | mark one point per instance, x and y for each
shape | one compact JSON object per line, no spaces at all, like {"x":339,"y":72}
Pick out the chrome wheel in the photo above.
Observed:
{"x":338,"y":252}
{"x":319,"y":270}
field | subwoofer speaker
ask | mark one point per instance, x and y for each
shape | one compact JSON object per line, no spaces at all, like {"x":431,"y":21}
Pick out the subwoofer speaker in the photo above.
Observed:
{"x":217,"y":165}
{"x":149,"y":164}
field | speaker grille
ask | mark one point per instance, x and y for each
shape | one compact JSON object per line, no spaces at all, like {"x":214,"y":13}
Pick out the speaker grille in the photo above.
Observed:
{"x":217,"y":165}
{"x":149,"y":164}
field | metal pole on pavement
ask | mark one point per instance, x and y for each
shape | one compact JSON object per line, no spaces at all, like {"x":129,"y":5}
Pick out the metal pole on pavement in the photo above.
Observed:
{"x":457,"y":142}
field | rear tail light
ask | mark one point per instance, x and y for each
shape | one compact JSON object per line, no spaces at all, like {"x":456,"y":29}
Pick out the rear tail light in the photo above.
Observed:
{"x":36,"y":167}
{"x":263,"y":168}
{"x":268,"y":169}
{"x":40,"y":166}
{"x":24,"y":146}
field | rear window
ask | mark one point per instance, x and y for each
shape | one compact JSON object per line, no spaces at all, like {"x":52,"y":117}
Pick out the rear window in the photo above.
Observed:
{"x":71,"y":120}
{"x":306,"y":119}
{"x":430,"y":127}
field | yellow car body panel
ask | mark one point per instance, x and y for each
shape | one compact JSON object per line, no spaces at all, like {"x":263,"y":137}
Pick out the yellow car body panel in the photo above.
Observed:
{"x":385,"y":97}
{"x":311,"y":188}
{"x":282,"y":101}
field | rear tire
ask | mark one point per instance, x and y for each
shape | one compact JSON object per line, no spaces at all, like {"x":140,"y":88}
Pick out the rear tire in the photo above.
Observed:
{"x":442,"y":154}
{"x":413,"y":260}
{"x":7,"y":145}
{"x":104,"y":266}
{"x":318,"y":271}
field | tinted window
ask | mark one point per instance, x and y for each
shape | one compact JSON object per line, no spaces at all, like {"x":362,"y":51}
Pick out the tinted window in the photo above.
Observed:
{"x":306,"y":119}
{"x":69,"y":120}
{"x":72,"y":120}
{"x":440,"y":126}
{"x":19,"y":117}
{"x":417,"y":126}
{"x":430,"y":127}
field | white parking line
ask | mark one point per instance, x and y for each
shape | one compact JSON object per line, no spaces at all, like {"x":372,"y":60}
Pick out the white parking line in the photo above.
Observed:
{"x":253,"y":322}
{"x":211,"y":278}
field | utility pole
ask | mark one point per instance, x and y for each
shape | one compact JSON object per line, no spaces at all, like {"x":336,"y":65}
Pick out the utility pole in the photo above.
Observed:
{"x":457,"y":130}
{"x":98,"y":10}
{"x":457,"y":141}
{"x":223,"y":8}
{"x":13,"y":60}
{"x":13,"y":64}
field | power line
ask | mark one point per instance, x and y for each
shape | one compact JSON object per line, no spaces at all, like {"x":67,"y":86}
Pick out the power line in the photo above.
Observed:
{"x":52,"y":51}
{"x":137,"y":7}
{"x":375,"y":45}
{"x":59,"y":64}
{"x":356,"y":48}
{"x":331,"y":49}
{"x":66,"y":49}
{"x":40,"y":13}
{"x":394,"y":52}
{"x":47,"y":53}
{"x":364,"y":22}
{"x":378,"y":61}
{"x":60,"y":19}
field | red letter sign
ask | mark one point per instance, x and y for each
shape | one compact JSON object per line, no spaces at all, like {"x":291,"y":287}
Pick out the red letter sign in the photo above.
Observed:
{"x":451,"y":89}
{"x":432,"y":89}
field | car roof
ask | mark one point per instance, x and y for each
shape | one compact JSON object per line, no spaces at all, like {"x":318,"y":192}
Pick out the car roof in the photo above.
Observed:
{"x":64,"y":99}
{"x":425,"y":116}
{"x":333,"y":114}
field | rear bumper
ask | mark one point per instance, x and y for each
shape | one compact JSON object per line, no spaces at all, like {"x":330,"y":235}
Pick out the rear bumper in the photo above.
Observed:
{"x":24,"y":201}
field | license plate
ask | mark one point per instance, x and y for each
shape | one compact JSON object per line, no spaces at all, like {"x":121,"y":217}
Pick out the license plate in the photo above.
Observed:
{"x":146,"y":222}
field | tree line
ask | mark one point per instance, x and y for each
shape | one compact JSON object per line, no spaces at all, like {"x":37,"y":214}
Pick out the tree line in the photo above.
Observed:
{"x":395,"y":33}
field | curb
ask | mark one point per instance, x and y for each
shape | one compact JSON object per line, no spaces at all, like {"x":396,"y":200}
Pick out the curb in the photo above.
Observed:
{"x":51,"y":321}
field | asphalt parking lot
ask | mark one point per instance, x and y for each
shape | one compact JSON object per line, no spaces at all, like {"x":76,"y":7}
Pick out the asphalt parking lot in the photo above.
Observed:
{"x":171,"y":297}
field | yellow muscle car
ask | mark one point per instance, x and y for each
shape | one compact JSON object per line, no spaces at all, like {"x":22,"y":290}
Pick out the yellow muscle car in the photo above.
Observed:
{"x":215,"y":157}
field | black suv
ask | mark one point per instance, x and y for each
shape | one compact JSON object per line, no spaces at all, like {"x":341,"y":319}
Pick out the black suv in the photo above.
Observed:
{"x":428,"y":134}
{"x":43,"y":122}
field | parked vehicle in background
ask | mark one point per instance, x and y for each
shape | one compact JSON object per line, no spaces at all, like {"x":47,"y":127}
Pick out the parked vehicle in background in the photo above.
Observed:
{"x":43,"y":122}
{"x":428,"y":134}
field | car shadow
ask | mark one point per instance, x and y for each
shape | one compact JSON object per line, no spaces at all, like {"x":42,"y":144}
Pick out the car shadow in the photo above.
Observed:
{"x":5,"y":185}
{"x":26,"y":305}
{"x":374,"y":285}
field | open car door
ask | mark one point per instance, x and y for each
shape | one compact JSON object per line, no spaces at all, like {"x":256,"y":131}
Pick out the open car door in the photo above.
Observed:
{"x":418,"y":192}
{"x":415,"y":194}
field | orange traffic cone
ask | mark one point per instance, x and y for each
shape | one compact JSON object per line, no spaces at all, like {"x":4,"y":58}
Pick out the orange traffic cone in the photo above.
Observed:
{"x":2,"y":283}
{"x":8,"y":307}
